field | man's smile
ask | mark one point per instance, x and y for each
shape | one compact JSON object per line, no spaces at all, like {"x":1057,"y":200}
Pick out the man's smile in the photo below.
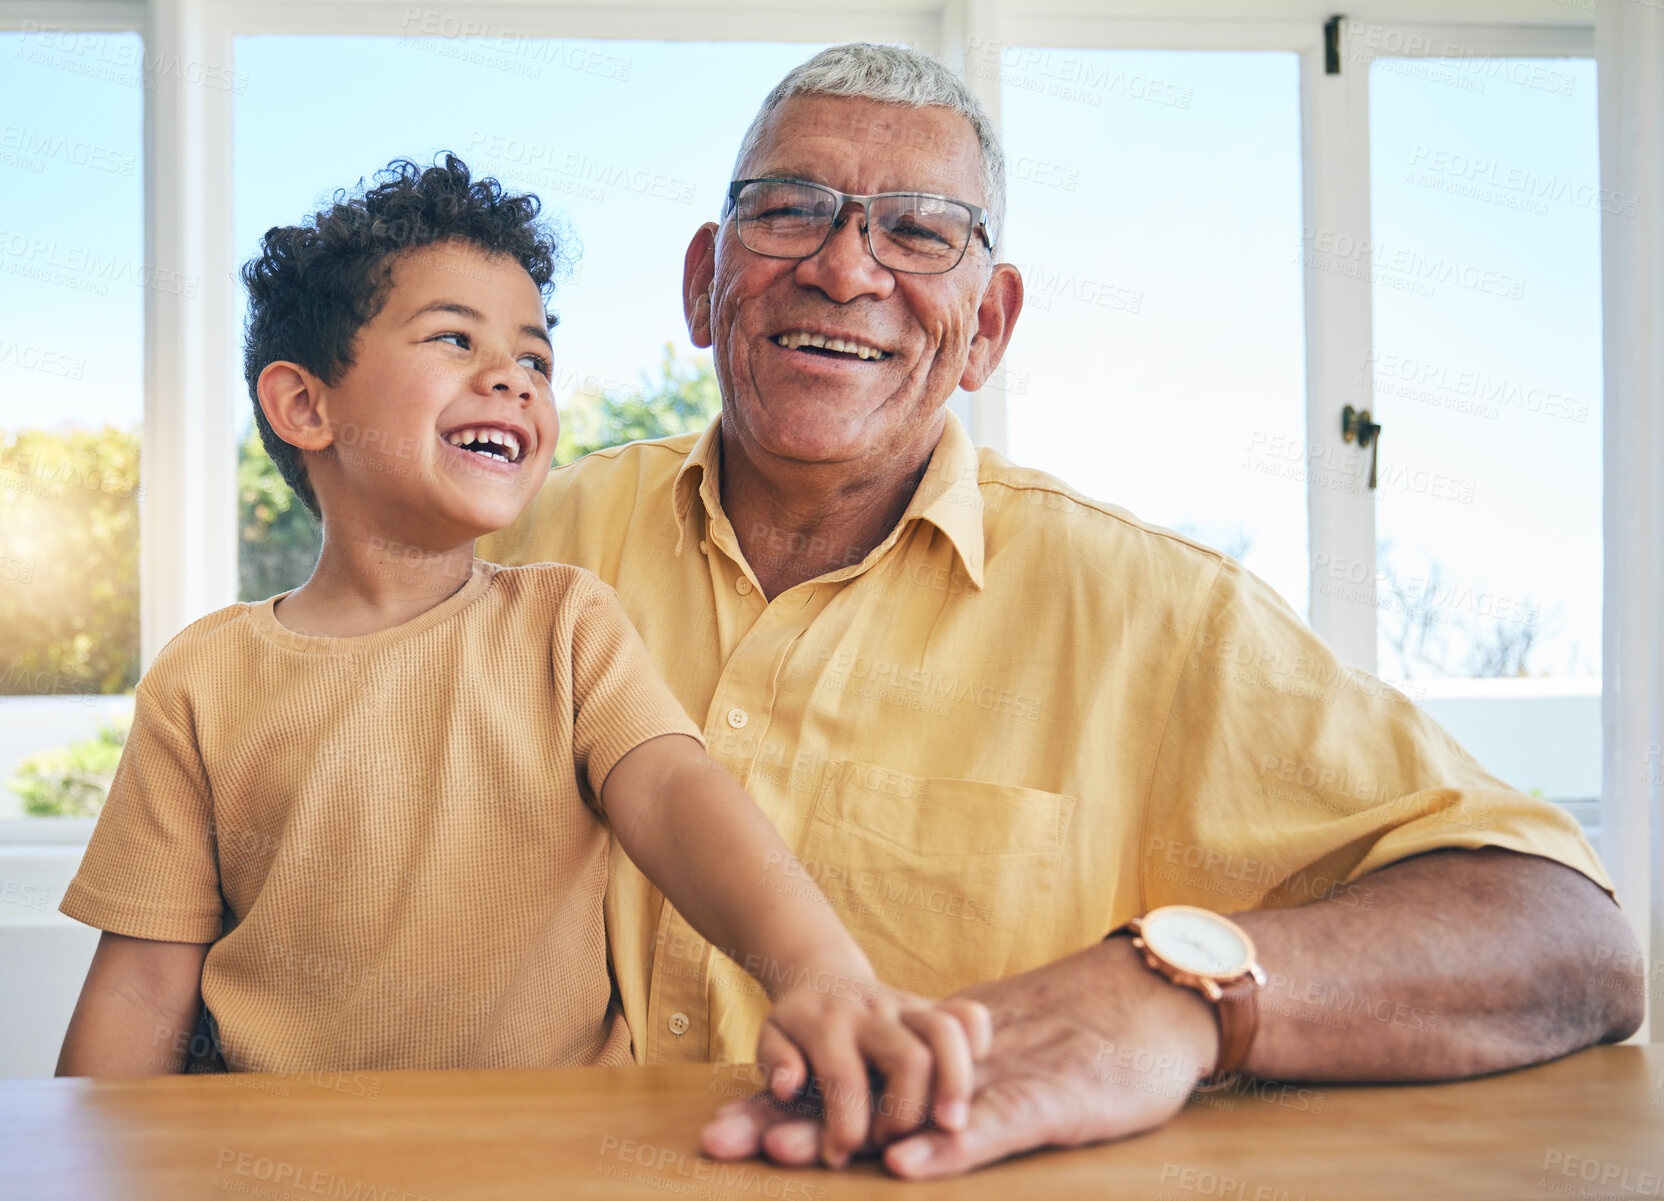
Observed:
{"x":816,"y":343}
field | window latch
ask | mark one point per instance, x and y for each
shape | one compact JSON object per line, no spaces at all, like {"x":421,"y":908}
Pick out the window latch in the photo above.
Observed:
{"x":1355,"y":426}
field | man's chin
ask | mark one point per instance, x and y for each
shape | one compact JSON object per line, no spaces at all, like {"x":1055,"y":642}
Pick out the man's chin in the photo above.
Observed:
{"x":813,"y":443}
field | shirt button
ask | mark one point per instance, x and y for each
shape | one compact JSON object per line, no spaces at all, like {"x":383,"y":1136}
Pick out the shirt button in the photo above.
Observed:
{"x":737,"y":717}
{"x":678,"y":1024}
{"x":743,"y":587}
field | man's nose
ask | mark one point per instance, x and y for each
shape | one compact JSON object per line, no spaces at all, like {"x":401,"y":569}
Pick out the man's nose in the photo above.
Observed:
{"x":844,"y":267}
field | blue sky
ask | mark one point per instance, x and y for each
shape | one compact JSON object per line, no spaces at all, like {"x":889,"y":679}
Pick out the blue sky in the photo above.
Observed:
{"x":1155,"y":209}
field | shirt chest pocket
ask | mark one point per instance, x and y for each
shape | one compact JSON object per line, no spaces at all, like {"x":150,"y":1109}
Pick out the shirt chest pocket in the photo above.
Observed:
{"x":943,"y":882}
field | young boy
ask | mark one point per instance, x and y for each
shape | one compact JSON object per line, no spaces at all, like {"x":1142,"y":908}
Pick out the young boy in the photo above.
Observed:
{"x":363,"y":824}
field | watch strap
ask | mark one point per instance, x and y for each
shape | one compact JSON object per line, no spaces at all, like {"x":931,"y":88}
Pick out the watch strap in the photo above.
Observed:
{"x":1238,"y":1013}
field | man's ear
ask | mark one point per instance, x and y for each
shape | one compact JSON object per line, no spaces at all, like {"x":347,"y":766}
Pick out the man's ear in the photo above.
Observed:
{"x":698,"y":272}
{"x":293,"y":400}
{"x":996,"y":317}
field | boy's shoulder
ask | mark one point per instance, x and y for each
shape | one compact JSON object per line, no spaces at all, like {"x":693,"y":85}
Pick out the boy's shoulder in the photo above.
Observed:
{"x":215,"y":634}
{"x":205,"y":650}
{"x":547,"y":582}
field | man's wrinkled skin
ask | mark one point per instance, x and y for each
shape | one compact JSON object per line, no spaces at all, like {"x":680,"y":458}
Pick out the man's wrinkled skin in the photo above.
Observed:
{"x":1469,"y":961}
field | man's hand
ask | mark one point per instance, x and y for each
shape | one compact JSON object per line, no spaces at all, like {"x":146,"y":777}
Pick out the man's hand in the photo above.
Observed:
{"x":1094,"y":1046}
{"x":1460,"y":963}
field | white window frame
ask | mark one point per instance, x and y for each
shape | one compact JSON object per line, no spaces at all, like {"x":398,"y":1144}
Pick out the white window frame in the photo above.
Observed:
{"x":188,"y":516}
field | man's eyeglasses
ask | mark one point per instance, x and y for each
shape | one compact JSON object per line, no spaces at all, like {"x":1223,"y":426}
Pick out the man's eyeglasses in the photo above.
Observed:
{"x":913,"y":232}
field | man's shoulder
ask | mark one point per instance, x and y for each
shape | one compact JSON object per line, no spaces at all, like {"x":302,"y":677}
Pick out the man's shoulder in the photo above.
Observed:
{"x":1028,"y":507}
{"x":650,"y":463}
{"x":590,"y":503}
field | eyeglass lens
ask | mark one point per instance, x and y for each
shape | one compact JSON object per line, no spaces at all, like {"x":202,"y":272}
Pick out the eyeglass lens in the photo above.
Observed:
{"x":907,"y":232}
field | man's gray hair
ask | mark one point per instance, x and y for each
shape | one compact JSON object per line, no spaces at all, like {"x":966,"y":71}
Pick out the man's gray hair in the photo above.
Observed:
{"x":890,"y":75}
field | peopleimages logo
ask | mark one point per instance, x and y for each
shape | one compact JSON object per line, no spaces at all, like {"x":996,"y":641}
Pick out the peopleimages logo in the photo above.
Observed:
{"x":51,"y":261}
{"x":119,"y":60}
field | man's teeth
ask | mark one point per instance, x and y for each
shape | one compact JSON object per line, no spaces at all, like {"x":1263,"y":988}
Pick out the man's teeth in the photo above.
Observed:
{"x":799,"y":338}
{"x":502,"y":438}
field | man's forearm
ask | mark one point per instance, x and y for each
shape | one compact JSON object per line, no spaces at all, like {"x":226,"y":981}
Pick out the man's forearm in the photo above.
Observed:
{"x":1450,"y":964}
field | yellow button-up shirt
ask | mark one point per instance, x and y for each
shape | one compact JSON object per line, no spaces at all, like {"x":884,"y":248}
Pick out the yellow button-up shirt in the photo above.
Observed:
{"x":1024,"y":718}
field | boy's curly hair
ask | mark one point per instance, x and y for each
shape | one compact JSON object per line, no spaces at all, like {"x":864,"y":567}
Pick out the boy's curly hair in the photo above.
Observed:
{"x":315,"y":285}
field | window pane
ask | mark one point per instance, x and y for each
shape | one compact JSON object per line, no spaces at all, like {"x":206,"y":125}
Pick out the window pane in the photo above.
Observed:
{"x":609,"y":134}
{"x":72,"y":280}
{"x":1159,"y":360}
{"x":1486,"y":253}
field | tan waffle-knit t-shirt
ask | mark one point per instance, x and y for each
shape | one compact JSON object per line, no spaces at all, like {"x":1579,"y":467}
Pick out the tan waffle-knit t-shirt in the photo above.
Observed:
{"x":392,"y":841}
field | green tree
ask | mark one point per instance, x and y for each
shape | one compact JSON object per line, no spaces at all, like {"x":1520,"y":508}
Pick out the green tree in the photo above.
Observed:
{"x":71,"y":781}
{"x":278,"y":539}
{"x":69,"y":561}
{"x":682,"y":395}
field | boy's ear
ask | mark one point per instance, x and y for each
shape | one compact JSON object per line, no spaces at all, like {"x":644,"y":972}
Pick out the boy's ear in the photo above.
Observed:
{"x":292,"y":399}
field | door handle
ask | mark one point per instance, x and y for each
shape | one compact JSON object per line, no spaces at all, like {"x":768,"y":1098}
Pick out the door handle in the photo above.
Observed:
{"x":1355,"y":425}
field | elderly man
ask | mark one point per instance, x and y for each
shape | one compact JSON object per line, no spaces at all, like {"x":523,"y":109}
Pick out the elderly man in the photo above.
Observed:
{"x":999,"y":721}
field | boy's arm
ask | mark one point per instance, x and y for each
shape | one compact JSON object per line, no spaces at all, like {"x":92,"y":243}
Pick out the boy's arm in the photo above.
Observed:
{"x":137,"y":1010}
{"x":701,"y":839}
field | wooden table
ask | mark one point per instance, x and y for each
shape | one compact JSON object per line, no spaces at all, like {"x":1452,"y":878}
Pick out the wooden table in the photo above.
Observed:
{"x":1587,"y":1127}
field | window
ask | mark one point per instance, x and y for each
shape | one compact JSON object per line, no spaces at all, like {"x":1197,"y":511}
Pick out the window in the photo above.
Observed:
{"x":582,"y":124}
{"x":72,"y":285}
{"x":1486,"y":208}
{"x":1159,"y":361}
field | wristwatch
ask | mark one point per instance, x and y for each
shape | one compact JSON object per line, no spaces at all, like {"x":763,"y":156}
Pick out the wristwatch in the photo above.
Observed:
{"x":1198,"y":949}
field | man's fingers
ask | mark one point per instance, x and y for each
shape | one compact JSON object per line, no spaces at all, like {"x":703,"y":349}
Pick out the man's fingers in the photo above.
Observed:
{"x":1006,"y":1117}
{"x":795,"y":1143}
{"x":738,"y":1128}
{"x":950,"y":1048}
{"x":782,"y":1060}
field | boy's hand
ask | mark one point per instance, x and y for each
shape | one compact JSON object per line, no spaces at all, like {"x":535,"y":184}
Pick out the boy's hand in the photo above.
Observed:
{"x":921,"y":1055}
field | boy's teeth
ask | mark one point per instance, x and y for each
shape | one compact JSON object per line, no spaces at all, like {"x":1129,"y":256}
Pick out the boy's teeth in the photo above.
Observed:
{"x":496,"y":437}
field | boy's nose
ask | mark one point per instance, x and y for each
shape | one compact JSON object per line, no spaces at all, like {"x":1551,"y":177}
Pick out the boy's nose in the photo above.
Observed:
{"x":507,"y":378}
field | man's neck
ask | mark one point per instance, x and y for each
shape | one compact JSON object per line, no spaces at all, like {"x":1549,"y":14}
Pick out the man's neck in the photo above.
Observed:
{"x":798,"y":521}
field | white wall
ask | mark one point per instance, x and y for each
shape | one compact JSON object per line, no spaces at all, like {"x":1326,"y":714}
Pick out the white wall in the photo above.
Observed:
{"x":45,"y":956}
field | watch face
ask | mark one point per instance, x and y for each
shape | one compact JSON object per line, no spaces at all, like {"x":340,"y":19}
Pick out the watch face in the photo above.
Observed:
{"x":1196,"y":941}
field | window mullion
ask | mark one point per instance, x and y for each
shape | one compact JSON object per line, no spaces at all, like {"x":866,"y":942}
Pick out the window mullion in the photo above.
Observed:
{"x":968,"y":28}
{"x":1334,"y":247}
{"x":188,"y":514}
{"x":1628,"y":42}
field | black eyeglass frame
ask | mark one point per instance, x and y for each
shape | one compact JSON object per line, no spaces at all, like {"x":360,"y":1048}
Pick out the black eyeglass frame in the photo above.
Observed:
{"x":979,"y":219}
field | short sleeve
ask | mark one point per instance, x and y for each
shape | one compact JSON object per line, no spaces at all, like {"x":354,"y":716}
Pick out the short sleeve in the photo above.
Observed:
{"x":1283,"y":773}
{"x":150,"y":869}
{"x":619,"y":700}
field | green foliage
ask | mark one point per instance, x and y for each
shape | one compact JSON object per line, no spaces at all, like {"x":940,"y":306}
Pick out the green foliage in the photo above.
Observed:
{"x":71,"y":781}
{"x":278,"y":539}
{"x":682,"y":396}
{"x":69,"y":561}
